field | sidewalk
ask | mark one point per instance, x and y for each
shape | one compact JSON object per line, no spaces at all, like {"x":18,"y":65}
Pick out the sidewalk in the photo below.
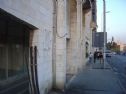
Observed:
{"x":94,"y":79}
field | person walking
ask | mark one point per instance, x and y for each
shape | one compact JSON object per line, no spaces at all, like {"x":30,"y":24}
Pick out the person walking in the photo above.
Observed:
{"x":100,"y":57}
{"x":95,"y":55}
{"x":90,"y":57}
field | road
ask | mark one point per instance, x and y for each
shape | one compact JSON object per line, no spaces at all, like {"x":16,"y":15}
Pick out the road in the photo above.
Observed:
{"x":118,"y":64}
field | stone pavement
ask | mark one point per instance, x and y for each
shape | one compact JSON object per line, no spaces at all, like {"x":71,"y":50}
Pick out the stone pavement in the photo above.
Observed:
{"x":94,"y":79}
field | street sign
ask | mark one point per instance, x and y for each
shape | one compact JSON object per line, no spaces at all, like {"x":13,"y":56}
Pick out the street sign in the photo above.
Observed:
{"x":98,"y":39}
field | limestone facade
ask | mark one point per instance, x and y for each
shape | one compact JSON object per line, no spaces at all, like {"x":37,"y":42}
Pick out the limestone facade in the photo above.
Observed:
{"x":62,"y":35}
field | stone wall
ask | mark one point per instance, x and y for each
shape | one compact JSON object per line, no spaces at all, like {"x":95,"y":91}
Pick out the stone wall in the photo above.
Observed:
{"x":87,"y":32}
{"x":59,"y":37}
{"x":72,"y":42}
{"x":80,"y":32}
{"x":38,"y":13}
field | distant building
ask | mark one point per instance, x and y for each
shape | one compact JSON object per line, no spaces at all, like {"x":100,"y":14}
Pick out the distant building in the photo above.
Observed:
{"x":124,"y":48}
{"x":121,"y":46}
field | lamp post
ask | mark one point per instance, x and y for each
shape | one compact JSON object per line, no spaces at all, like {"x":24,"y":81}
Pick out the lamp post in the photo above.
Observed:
{"x":104,"y":28}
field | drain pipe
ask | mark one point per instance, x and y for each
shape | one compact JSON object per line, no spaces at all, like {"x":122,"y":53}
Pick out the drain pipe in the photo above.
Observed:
{"x":33,"y":71}
{"x":35,"y":68}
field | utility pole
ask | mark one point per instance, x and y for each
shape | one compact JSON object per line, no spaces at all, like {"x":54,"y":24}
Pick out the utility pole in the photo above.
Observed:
{"x":104,"y":28}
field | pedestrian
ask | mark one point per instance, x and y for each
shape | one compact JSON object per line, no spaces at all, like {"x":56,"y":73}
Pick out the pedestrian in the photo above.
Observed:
{"x":90,"y":57}
{"x":100,"y":57}
{"x":95,"y":55}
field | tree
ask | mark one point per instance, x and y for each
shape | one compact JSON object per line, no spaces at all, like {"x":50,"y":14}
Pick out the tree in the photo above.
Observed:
{"x":113,"y":46}
{"x":109,"y":45}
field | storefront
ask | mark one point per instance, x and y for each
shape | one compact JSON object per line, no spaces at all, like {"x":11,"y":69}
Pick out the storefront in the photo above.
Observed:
{"x":14,"y":55}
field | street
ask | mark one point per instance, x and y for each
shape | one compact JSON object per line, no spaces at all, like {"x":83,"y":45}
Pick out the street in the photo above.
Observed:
{"x":118,"y":64}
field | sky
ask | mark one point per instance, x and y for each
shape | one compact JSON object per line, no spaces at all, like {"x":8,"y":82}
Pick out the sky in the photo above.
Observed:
{"x":115,"y":19}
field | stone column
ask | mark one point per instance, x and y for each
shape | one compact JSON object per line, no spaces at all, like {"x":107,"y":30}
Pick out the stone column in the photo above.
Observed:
{"x":79,"y":33}
{"x":61,"y":45}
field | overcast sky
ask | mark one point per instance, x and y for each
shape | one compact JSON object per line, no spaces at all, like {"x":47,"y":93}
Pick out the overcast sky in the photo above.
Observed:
{"x":115,"y":20}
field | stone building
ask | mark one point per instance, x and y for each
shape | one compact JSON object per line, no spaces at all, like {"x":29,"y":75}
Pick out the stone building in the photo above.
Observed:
{"x":42,"y":42}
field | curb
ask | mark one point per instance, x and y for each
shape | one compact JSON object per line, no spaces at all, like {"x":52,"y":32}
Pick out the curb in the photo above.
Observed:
{"x":66,"y":86}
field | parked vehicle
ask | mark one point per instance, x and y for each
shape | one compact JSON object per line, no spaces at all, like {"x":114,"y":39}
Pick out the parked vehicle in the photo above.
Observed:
{"x":113,"y":53}
{"x":108,"y":53}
